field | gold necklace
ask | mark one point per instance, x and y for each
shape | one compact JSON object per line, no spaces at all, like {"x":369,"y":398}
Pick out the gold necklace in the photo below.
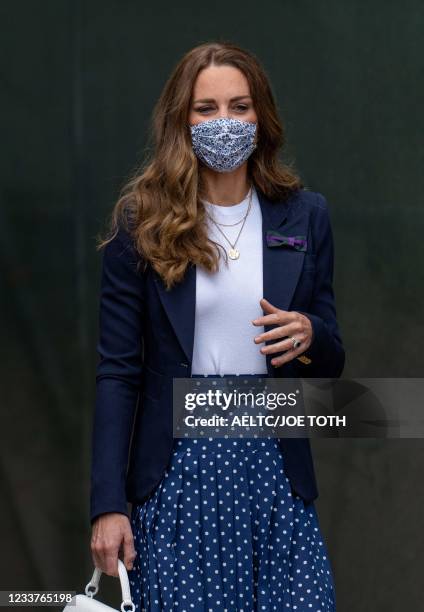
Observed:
{"x":234,"y":253}
{"x":224,"y":224}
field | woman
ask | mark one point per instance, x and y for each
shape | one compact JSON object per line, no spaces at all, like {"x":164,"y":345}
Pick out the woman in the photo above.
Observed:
{"x":219,"y":263}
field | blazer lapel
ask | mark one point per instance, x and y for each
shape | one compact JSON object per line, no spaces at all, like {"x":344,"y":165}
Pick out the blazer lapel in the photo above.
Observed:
{"x":281,"y":270}
{"x":281,"y":266}
{"x":180,"y":306}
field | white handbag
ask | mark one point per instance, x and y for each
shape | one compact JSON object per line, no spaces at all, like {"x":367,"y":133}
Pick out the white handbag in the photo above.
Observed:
{"x":86,"y":603}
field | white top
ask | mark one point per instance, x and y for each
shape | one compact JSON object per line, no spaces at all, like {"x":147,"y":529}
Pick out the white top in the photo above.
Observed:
{"x":228,"y":301}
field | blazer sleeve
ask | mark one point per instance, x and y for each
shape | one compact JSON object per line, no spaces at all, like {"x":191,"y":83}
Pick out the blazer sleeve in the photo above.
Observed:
{"x":326,"y":355}
{"x":118,"y":375}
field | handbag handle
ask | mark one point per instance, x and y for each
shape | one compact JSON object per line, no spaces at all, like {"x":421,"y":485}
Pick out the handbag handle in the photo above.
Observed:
{"x":92,"y":587}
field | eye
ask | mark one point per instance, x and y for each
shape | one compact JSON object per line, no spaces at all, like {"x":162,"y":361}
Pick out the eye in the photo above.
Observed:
{"x":242,"y":107}
{"x":203,"y":109}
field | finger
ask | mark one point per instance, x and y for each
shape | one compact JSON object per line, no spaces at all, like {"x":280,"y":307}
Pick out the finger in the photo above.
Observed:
{"x":129,"y":549}
{"x":284,"y":345}
{"x":288,"y":329}
{"x":271,"y":319}
{"x":97,"y":554}
{"x":97,"y":562}
{"x":107,"y":559}
{"x":278,"y":316}
{"x":288,"y":355}
{"x":105,"y":551}
{"x":268,"y":306}
{"x":281,"y":316}
{"x":111,"y":563}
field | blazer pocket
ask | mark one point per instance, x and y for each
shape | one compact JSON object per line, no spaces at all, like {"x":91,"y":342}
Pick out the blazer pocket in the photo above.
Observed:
{"x":152,"y":382}
{"x":304,"y":289}
{"x":309,"y":263}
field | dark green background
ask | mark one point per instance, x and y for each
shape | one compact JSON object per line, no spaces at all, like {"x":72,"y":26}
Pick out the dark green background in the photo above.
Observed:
{"x":79,"y":80}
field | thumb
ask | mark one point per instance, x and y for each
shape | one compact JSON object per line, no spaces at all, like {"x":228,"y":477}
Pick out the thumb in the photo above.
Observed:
{"x":268,"y":306}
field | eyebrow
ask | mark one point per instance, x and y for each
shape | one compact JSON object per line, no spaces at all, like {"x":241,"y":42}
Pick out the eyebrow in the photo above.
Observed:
{"x":213,"y":100}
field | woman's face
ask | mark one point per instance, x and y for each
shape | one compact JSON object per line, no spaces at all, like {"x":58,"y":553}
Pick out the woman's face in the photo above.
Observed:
{"x":221,"y":91}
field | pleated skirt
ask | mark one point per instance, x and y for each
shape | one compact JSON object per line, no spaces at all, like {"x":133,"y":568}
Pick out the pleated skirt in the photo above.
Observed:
{"x":223,"y":532}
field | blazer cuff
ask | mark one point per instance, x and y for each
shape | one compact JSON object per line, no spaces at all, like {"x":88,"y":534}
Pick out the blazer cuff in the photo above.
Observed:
{"x":321,"y":338}
{"x":325,"y":357}
{"x":102,"y":505}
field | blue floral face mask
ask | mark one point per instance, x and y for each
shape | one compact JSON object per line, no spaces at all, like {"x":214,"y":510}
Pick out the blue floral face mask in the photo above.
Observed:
{"x":223,"y":144}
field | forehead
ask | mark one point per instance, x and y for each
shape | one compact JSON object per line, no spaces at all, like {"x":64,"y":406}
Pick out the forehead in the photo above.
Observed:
{"x":220,"y":82}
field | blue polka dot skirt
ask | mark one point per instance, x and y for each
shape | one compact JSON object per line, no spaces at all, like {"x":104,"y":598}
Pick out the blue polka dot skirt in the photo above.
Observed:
{"x":223,"y":532}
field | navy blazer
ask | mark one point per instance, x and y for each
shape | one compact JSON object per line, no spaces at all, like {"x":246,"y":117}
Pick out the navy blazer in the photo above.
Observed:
{"x":146,"y":338}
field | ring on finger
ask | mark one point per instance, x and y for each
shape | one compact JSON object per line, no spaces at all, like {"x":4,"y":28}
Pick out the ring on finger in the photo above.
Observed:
{"x":296,"y":342}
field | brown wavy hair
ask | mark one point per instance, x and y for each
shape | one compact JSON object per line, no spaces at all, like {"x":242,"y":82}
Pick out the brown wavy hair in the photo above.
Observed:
{"x":160,"y":205}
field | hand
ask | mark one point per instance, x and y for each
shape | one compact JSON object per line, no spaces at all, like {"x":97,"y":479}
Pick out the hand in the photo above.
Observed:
{"x":110,"y":530}
{"x":291,"y":323}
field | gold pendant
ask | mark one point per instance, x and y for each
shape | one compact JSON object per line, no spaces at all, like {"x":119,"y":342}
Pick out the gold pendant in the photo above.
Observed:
{"x":234,"y":253}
